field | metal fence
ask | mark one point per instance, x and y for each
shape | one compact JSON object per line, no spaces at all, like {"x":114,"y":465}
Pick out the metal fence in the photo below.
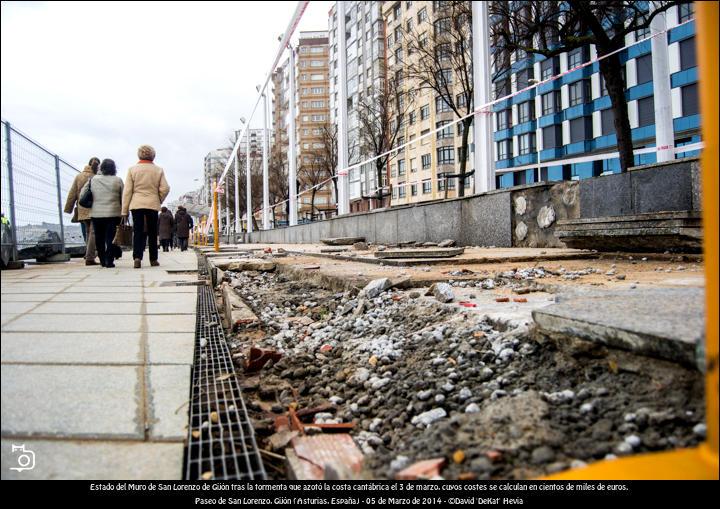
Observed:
{"x":35,"y":183}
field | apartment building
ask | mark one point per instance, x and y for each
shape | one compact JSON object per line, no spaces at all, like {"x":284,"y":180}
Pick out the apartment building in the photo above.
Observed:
{"x":363,"y":28}
{"x":313,"y":114}
{"x":572,"y":116}
{"x":418,"y":172}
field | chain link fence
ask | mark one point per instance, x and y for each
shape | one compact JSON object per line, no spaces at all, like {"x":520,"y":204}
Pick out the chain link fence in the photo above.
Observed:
{"x":35,"y":183}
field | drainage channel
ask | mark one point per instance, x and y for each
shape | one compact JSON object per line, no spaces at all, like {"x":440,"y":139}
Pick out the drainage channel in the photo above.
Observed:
{"x":221,"y":440}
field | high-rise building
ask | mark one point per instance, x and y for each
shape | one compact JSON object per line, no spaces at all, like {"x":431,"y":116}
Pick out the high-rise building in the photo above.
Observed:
{"x":570,"y":117}
{"x":313,"y":116}
{"x":363,"y":28}
{"x":417,"y":172}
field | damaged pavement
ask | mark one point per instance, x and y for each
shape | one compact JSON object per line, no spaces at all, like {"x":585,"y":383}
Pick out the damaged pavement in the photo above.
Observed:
{"x":480,"y":370}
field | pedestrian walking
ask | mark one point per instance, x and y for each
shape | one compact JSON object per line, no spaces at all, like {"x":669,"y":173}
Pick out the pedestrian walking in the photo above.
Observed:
{"x":183,"y":225}
{"x":145,"y":190}
{"x":107,"y":192}
{"x":166,"y":225}
{"x":83,"y":214}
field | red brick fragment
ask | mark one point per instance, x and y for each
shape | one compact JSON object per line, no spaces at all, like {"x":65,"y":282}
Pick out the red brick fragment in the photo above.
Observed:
{"x":519,"y":299}
{"x":502,"y":299}
{"x":426,"y":469}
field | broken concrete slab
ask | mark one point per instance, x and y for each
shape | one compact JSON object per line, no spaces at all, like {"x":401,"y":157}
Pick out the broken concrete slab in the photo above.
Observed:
{"x":236,"y":311}
{"x":342,"y":241}
{"x":421,"y":253}
{"x":238,"y":265}
{"x":666,"y":323}
{"x":658,"y":231}
{"x":334,"y":250}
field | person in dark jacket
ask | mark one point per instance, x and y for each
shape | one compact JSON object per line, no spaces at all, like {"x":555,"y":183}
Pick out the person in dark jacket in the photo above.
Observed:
{"x":183,"y":225}
{"x":166,"y":225}
{"x":107,"y":191}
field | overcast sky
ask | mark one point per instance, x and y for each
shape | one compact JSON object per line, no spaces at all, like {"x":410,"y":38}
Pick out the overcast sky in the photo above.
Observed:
{"x":101,"y":78}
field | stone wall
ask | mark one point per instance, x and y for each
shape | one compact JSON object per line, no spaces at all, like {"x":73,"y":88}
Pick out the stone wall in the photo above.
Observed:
{"x":523,"y":216}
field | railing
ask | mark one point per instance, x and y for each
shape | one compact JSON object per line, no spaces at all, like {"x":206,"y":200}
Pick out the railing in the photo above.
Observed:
{"x":35,"y":183}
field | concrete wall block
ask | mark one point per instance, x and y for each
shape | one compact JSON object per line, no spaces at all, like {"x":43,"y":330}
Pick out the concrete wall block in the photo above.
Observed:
{"x":608,"y":195}
{"x":486,"y":220}
{"x":443,"y":220}
{"x":386,"y":227}
{"x":662,"y":188}
{"x":412,"y":225}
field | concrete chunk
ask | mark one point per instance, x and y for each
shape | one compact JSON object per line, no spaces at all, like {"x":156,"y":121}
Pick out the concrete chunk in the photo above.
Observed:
{"x":236,"y":311}
{"x":421,"y":253}
{"x":376,"y":287}
{"x":238,"y":265}
{"x":342,"y":241}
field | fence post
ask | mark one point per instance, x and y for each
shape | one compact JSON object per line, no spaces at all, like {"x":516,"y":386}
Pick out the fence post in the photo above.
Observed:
{"x":60,"y":207}
{"x":11,"y":191}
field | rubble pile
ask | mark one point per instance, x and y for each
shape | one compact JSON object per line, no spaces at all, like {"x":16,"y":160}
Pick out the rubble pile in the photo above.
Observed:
{"x":414,"y":378}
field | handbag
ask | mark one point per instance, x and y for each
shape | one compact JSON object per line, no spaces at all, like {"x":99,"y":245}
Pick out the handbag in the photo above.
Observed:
{"x":75,"y":216}
{"x":86,"y":199}
{"x":123,"y":234}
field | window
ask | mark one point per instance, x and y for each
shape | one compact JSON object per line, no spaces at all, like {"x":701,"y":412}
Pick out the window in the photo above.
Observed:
{"x":317,"y":104}
{"x":504,"y":149}
{"x":426,"y":187}
{"x":409,"y":25}
{"x":445,"y":76}
{"x":644,"y":69}
{"x":396,"y":10}
{"x":643,"y":32}
{"x":502,"y":88}
{"x":550,"y":102}
{"x":402,"y":189}
{"x":687,"y":54}
{"x":549,"y":68}
{"x":607,"y":121}
{"x":411,"y":117}
{"x":646,"y":111}
{"x":441,"y":106}
{"x":444,"y":133}
{"x":523,"y":78}
{"x":422,"y":15}
{"x":442,"y":25}
{"x":552,"y":136}
{"x":579,"y":92}
{"x":401,"y":167}
{"x":578,"y":129}
{"x":413,"y":165}
{"x":425,"y":161}
{"x":446,"y":155}
{"x":413,"y":189}
{"x":577,"y":57}
{"x":527,"y":143}
{"x":317,"y":77}
{"x":686,"y":11}
{"x":426,"y":139}
{"x":317,"y":63}
{"x":690,"y":100}
{"x":460,"y":101}
{"x":425,"y":112}
{"x":504,"y":119}
{"x":526,"y":111}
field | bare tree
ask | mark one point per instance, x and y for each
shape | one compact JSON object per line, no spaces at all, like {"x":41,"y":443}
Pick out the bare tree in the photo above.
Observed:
{"x":312,"y":174}
{"x":441,"y":61}
{"x":552,"y":28}
{"x":278,"y":182}
{"x":381,"y":118}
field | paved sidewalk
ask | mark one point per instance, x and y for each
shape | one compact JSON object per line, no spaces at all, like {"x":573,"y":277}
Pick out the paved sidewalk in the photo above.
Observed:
{"x":96,"y":368}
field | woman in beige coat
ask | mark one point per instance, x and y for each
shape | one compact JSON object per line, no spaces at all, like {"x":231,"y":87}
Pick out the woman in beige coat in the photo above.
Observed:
{"x":145,"y":190}
{"x":84,"y":214}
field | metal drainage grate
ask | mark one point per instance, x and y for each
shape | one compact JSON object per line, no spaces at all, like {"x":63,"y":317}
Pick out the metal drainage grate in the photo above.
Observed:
{"x":221,"y":440}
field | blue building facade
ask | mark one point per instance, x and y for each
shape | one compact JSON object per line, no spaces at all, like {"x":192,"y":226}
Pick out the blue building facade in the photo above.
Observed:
{"x":566,"y":125}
